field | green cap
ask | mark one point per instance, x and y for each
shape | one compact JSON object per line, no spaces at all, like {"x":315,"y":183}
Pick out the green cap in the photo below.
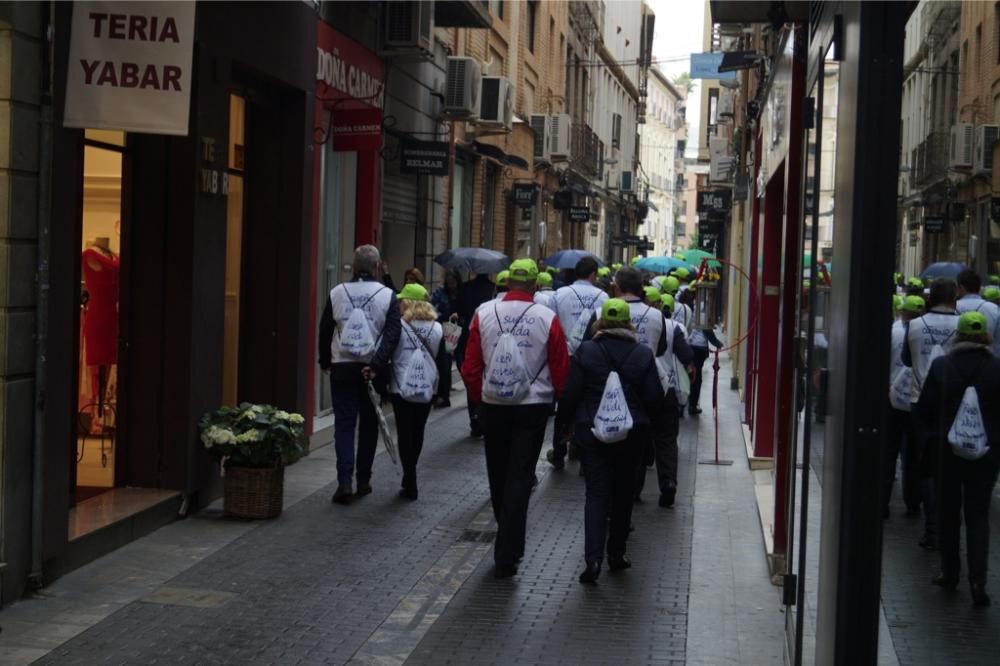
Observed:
{"x":972,"y":323}
{"x":914,"y":304}
{"x":897,"y":302}
{"x":915,"y":282}
{"x":523,"y":270}
{"x":616,"y":266}
{"x":551,"y":270}
{"x":682,"y":273}
{"x":502,"y":278}
{"x":671,"y":284}
{"x":668,"y":301}
{"x":992,"y":294}
{"x":634,"y":261}
{"x":995,"y":279}
{"x":545,"y":279}
{"x":413,"y":292}
{"x":616,"y":310}
{"x":603,"y":271}
{"x":651,"y":293}
{"x":896,"y":277}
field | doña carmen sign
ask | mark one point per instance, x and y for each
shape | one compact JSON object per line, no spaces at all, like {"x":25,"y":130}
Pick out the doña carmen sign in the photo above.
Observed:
{"x":130,"y":66}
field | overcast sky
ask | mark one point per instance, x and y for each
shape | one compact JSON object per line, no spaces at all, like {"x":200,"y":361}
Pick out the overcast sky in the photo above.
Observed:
{"x":679,"y":25}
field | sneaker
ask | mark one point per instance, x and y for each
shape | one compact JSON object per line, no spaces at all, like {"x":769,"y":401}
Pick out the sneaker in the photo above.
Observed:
{"x":364,"y":489}
{"x":556,"y":461}
{"x":343,"y":494}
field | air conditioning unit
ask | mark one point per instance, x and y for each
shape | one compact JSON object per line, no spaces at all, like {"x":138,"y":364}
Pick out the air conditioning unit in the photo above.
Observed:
{"x":960,"y":150}
{"x":496,"y":106}
{"x":540,"y":126}
{"x":626,"y":182}
{"x":407,"y":28}
{"x":560,"y":135}
{"x":461,"y":88}
{"x":986,"y":136}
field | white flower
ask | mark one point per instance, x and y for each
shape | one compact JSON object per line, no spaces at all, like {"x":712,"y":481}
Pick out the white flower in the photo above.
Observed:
{"x":249,"y":436}
{"x":215,"y":435}
{"x":297,"y":419}
{"x":280,"y":414}
{"x":256,"y":409}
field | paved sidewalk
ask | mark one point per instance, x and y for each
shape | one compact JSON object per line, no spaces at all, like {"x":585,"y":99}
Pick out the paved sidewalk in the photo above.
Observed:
{"x":386,"y":581}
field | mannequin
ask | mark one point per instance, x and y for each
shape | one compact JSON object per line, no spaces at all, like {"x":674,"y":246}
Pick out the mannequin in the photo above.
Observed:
{"x":100,"y":323}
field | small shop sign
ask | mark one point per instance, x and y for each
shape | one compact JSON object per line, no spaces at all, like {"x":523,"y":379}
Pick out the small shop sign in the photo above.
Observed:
{"x":357,"y":129}
{"x":525,"y":194}
{"x":934,"y":225}
{"x":579,"y":214}
{"x":711,"y":201}
{"x":130,"y":66}
{"x":425,"y":158}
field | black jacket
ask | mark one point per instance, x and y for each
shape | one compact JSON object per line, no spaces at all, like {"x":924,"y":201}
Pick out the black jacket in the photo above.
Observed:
{"x":383,"y":353}
{"x":682,"y":350}
{"x":966,"y":365}
{"x":592,"y":363}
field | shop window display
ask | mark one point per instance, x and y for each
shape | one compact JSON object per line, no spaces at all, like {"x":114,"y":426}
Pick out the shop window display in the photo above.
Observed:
{"x":100,"y":265}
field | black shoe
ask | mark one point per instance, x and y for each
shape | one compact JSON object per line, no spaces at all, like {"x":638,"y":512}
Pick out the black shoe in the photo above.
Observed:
{"x":343,"y":494}
{"x":945,"y":581}
{"x":667,"y":498}
{"x":572,"y":453}
{"x":979,"y":597}
{"x":694,"y":411}
{"x":618,"y":563}
{"x":637,"y":498}
{"x":929,"y":542}
{"x":442,"y":403}
{"x":556,"y":461}
{"x":504,"y":571}
{"x":409,"y":493}
{"x":364,"y":489}
{"x":913,"y":511}
{"x":590,"y":574}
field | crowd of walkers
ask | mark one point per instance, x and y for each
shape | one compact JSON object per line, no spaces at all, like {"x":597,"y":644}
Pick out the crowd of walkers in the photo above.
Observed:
{"x":944,"y":418}
{"x":613,"y":355}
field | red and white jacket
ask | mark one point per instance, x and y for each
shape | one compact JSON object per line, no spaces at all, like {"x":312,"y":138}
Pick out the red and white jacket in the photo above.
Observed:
{"x":540,"y":339}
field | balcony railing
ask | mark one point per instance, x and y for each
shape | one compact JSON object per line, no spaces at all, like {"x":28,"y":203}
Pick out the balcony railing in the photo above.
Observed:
{"x":586,"y":150}
{"x":929,"y":160}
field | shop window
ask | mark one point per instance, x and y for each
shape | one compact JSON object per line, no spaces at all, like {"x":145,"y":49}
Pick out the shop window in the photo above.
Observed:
{"x":100,"y":265}
{"x":234,"y":249}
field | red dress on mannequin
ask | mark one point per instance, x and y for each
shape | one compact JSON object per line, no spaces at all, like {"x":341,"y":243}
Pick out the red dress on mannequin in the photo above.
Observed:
{"x":100,"y":323}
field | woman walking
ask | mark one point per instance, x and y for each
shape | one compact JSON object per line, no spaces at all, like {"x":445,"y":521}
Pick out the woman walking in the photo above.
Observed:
{"x":609,"y":468}
{"x":965,"y":476}
{"x":414,"y":378}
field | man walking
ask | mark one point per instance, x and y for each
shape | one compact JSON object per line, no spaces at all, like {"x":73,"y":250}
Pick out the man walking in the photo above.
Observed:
{"x":471,"y":295}
{"x":515,"y":366}
{"x":928,"y":338}
{"x":576,"y":305}
{"x":969,"y":300}
{"x":358,"y":333}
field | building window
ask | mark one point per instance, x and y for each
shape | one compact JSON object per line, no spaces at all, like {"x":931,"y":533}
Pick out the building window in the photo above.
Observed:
{"x":496,"y":6}
{"x":996,"y":28}
{"x":616,"y":130}
{"x":532,"y":23}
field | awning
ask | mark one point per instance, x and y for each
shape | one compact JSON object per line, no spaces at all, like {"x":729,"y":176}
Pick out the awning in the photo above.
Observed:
{"x":734,"y":60}
{"x":461,"y":14}
{"x":493,"y":152}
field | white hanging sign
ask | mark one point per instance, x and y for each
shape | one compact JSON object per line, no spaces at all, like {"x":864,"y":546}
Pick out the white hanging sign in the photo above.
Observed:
{"x":130,"y":66}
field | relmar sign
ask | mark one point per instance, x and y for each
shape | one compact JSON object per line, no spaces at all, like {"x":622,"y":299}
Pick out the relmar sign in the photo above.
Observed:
{"x":130,"y":66}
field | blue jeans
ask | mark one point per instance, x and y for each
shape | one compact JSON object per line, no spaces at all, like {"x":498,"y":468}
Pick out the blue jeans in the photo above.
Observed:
{"x":351,"y":404}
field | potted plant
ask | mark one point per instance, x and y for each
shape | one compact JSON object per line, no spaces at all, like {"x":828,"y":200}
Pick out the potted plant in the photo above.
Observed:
{"x":253,"y":444}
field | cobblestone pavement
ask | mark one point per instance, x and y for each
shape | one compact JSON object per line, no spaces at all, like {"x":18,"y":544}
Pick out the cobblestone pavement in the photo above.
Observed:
{"x":385,"y":581}
{"x":929,"y":625}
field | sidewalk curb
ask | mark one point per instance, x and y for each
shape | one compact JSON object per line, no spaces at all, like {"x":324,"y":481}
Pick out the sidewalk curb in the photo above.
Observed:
{"x":762,"y":470}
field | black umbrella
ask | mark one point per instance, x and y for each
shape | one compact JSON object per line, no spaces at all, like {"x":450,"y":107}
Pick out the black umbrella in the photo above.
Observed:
{"x":473,"y":260}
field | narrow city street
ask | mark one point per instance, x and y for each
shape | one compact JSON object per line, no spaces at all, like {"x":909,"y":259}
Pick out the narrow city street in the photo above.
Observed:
{"x":385,"y":581}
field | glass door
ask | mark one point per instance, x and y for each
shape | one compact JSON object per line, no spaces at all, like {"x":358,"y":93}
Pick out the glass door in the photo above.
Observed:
{"x":813,"y":373}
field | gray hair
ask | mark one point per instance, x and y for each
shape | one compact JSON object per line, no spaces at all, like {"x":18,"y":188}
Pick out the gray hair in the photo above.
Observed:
{"x":366,"y":259}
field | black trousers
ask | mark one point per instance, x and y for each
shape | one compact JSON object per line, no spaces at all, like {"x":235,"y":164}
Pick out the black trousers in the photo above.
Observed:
{"x":645,"y":458}
{"x":925,"y":462}
{"x":965,"y":490}
{"x":560,"y":436}
{"x":444,"y":376}
{"x":513,"y":438}
{"x":353,"y":409}
{"x":665,"y":428}
{"x":899,"y":441}
{"x":411,"y":420}
{"x":608,"y":473}
{"x":700,"y":356}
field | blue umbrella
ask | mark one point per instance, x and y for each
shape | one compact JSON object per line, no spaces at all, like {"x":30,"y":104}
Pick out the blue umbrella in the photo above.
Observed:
{"x":949,"y":269}
{"x":663,"y":264}
{"x":473,"y":260}
{"x":569,"y":258}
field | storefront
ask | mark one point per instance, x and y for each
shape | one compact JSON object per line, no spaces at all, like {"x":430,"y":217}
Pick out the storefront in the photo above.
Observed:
{"x":183,"y":272}
{"x":347,"y":176}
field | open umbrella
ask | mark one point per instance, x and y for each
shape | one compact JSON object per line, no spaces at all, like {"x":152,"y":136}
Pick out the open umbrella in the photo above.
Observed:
{"x":473,"y":260}
{"x":949,"y":269}
{"x":663,"y":265}
{"x":695,"y":256}
{"x":569,"y":258}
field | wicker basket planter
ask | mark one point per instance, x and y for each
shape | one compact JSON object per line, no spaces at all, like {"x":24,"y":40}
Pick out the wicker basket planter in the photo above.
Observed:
{"x":254,"y":493}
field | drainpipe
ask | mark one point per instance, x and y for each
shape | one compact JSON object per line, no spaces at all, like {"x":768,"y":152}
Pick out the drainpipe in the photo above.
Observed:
{"x":42,"y":303}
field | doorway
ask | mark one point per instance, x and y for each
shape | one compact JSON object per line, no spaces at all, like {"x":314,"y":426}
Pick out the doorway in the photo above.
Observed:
{"x":98,"y":295}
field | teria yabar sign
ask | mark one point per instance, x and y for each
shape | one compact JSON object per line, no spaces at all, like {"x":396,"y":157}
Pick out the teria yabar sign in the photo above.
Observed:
{"x":130,"y":66}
